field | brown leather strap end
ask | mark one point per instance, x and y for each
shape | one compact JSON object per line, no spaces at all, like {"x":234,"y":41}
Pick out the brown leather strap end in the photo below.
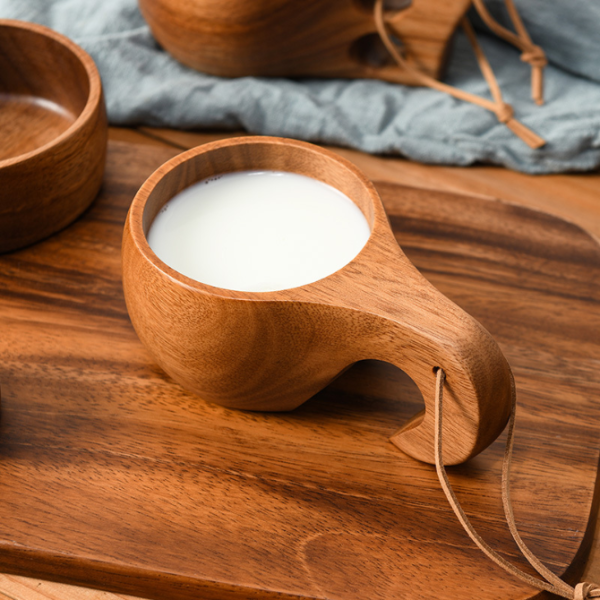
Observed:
{"x":532,"y":139}
{"x":506,"y":115}
{"x":536,"y":57}
{"x":537,"y":85}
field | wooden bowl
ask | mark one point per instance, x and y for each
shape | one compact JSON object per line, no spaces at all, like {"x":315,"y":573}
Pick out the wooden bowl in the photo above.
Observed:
{"x":53,"y":132}
{"x":274,"y":350}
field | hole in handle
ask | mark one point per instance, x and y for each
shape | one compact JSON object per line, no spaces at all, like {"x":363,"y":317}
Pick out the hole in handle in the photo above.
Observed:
{"x":370,"y":51}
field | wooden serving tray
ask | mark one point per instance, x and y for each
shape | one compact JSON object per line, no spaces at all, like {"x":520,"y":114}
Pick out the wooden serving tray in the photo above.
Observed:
{"x":114,"y":477}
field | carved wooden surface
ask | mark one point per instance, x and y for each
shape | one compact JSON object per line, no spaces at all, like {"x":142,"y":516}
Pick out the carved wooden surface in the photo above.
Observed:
{"x":113,"y":476}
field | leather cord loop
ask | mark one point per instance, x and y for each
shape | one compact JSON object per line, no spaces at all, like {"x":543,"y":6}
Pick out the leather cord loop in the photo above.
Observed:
{"x":501,"y":109}
{"x":551,"y":582}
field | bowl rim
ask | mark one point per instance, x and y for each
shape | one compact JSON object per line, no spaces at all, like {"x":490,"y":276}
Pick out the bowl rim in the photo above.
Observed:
{"x":94,"y":95}
{"x":135,"y":230}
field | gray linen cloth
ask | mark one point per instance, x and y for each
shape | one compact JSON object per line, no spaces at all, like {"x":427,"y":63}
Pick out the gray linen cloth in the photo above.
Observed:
{"x":144,"y":85}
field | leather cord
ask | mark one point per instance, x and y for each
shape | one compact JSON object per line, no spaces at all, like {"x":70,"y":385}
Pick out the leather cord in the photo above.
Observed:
{"x":530,"y":53}
{"x":503,"y":111}
{"x":551,"y":582}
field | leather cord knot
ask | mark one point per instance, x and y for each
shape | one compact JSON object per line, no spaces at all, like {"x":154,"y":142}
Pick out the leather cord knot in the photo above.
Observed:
{"x":535,"y":56}
{"x":504,"y":112}
{"x":501,"y":109}
{"x":586,"y":591}
{"x":530,"y":53}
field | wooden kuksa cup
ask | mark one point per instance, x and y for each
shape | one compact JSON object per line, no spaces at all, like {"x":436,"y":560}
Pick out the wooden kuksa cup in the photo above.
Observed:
{"x":312,"y":38}
{"x":272,"y":351}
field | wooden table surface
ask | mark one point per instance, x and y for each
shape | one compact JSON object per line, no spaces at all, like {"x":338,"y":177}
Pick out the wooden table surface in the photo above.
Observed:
{"x":574,"y":197}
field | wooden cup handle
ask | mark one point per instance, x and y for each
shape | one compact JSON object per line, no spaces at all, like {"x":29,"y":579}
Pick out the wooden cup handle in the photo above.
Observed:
{"x":412,"y":325}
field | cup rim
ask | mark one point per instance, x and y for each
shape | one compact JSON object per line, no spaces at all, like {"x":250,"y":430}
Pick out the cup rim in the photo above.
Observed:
{"x":136,"y":214}
{"x":94,"y":95}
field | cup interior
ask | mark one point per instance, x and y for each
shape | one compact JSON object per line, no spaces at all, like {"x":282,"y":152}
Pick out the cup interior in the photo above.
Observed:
{"x":249,"y":154}
{"x":44,"y":87}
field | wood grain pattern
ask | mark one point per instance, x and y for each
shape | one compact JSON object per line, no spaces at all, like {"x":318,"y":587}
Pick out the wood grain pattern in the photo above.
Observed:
{"x":13,"y":587}
{"x":323,"y":38}
{"x":275,"y":350}
{"x":53,"y":132}
{"x":113,"y":476}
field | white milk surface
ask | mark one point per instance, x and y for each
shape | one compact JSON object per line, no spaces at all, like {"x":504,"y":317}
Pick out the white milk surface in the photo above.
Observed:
{"x":258,"y":231}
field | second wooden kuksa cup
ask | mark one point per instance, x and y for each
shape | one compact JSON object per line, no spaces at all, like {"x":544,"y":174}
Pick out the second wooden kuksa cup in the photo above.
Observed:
{"x":272,"y":351}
